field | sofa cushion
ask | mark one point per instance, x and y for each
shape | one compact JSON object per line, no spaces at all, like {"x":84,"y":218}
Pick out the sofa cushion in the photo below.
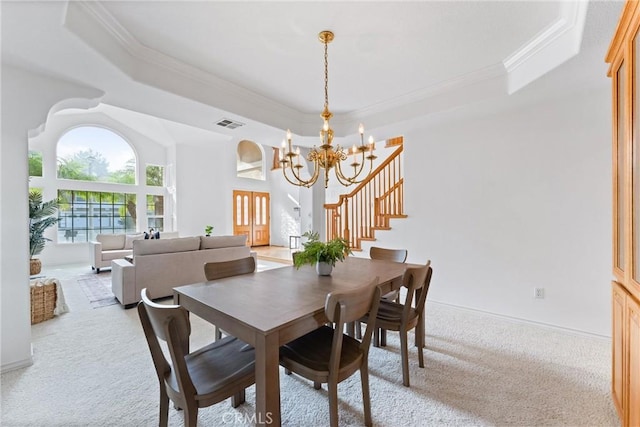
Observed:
{"x":214,"y":242}
{"x":111,"y":241}
{"x":115,"y":254}
{"x":163,"y":246}
{"x":129,"y":238}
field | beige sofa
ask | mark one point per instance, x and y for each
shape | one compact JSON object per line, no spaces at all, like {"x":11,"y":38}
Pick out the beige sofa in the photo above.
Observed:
{"x":160,"y":265}
{"x":108,"y":247}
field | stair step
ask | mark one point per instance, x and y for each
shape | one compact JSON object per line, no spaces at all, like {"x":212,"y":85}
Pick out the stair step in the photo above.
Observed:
{"x":381,"y":228}
{"x":369,"y":239}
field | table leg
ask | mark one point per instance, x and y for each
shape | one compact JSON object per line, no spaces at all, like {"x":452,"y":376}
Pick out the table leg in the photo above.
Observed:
{"x":267,"y":380}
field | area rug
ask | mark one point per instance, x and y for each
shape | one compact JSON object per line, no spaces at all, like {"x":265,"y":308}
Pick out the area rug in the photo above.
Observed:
{"x":97,"y":289}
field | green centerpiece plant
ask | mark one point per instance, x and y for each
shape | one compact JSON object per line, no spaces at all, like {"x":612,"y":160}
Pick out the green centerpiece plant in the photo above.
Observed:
{"x":208,"y":230}
{"x":323,"y":254}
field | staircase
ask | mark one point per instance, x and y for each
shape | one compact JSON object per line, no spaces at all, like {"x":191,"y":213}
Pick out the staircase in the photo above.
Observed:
{"x":369,"y":207}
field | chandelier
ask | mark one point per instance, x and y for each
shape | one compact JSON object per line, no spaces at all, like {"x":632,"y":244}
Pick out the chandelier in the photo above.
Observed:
{"x":327,"y":156}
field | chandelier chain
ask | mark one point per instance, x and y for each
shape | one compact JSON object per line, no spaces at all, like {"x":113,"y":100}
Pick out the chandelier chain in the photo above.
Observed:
{"x":326,"y":76}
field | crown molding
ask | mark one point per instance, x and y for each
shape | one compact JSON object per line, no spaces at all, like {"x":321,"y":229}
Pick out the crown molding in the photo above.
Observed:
{"x":144,"y":64}
{"x":93,"y":23}
{"x":555,"y":44}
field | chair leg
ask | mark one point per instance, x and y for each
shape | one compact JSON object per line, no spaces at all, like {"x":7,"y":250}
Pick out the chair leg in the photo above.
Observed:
{"x":366,"y":399}
{"x":420,"y":357}
{"x":238,"y":398}
{"x":191,"y":415}
{"x":217,"y":332}
{"x":376,"y":337}
{"x":405,"y":358}
{"x":317,"y":385}
{"x":333,"y":403}
{"x":358,"y":330}
{"x":164,"y":407}
{"x":383,"y":337}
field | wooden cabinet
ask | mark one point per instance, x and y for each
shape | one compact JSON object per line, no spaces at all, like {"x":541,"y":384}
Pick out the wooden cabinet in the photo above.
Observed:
{"x":624,"y":57}
{"x":625,"y":372}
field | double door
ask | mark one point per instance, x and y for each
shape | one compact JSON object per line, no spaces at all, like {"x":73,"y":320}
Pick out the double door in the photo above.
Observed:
{"x":251,"y":216}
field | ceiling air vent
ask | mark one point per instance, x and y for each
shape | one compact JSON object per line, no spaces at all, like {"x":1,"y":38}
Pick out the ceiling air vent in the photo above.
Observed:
{"x":229,"y":124}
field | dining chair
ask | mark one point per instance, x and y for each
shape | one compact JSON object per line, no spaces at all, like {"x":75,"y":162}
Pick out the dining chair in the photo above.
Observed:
{"x":198,"y":379}
{"x":327,"y":355}
{"x":222,"y":269}
{"x":395,"y":255}
{"x":394,"y":316}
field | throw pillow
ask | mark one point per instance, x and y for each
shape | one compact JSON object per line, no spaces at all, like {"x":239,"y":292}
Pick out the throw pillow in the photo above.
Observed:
{"x":129,"y":238}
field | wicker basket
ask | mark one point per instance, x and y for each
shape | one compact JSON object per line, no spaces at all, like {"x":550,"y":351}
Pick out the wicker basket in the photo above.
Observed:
{"x":43,"y":300}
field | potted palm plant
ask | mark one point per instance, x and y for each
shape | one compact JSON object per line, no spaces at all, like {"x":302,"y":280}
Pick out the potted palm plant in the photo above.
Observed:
{"x":323,"y":254}
{"x":41,"y":217}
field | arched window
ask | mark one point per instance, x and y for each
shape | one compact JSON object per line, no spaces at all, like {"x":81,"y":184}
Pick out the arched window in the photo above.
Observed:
{"x":91,"y":153}
{"x":250,"y":160}
{"x":107,"y":192}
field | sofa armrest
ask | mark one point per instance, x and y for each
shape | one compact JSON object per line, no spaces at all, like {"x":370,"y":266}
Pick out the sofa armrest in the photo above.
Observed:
{"x":123,"y":282}
{"x":96,"y":253}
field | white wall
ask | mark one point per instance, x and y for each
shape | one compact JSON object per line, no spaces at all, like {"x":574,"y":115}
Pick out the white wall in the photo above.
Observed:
{"x":27,"y":98}
{"x":205,"y":180}
{"x":505,"y":203}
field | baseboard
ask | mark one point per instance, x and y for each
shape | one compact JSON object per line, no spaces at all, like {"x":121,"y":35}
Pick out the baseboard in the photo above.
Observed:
{"x":526,"y":321}
{"x":17,"y":365}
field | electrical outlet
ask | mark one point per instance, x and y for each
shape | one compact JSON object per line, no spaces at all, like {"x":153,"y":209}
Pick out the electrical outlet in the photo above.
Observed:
{"x":538,"y":293}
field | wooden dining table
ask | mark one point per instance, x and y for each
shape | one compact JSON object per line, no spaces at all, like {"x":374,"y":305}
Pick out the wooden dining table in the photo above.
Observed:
{"x":271,"y":308}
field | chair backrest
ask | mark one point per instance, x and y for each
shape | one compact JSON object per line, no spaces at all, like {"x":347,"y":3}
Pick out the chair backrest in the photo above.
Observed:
{"x":222,"y":269}
{"x":169,"y":323}
{"x":413,"y":279}
{"x":349,"y":306}
{"x":397,"y":255}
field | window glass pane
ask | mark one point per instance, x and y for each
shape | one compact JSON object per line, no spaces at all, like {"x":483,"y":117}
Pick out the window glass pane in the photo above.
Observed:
{"x":81,"y":221}
{"x":155,"y":212}
{"x":155,"y":175}
{"x":264,"y":210}
{"x":238,"y":210}
{"x":621,"y":204}
{"x":90,"y":153}
{"x":35,"y":163}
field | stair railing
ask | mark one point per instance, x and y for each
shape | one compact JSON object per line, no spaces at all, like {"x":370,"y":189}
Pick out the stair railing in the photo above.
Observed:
{"x":357,"y":215}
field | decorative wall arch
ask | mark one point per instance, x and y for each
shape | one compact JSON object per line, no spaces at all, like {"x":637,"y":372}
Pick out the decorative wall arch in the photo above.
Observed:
{"x":250,"y":160}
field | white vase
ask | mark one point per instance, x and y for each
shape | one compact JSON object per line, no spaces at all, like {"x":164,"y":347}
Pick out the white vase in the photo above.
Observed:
{"x":323,"y":268}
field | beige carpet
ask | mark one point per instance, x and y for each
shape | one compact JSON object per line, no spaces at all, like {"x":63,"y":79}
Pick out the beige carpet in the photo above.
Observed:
{"x":92,"y":368}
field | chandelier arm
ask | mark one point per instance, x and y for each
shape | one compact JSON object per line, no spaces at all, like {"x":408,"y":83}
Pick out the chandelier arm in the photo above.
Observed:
{"x":299,"y":183}
{"x":340,"y":176}
{"x":353,"y":180}
{"x":360,"y":169}
{"x":303,"y":182}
